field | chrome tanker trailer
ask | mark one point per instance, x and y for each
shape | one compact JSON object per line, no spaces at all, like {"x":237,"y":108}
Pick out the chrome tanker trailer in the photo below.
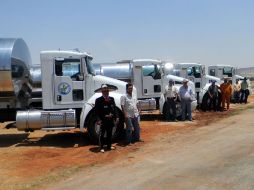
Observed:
{"x":15,"y":83}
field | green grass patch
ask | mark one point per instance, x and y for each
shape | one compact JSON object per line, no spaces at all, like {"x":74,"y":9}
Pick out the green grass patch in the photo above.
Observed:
{"x":243,"y":108}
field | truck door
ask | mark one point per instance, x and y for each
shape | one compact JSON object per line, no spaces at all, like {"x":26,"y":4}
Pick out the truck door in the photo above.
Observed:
{"x":151,"y":80}
{"x":68,"y":81}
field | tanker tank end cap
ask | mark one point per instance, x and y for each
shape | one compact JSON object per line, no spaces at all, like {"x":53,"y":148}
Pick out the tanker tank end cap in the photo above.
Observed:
{"x":185,"y":80}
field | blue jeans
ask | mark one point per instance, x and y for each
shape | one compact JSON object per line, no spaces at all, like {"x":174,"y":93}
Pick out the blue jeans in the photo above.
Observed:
{"x":186,"y":109}
{"x":132,"y":123}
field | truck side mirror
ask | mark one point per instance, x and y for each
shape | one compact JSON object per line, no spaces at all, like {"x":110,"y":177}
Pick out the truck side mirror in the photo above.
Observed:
{"x":80,"y":77}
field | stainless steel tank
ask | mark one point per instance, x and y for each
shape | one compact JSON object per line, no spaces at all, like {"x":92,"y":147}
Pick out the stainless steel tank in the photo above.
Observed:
{"x":35,"y":75}
{"x":120,"y":71}
{"x":15,"y":61}
{"x":46,"y":120}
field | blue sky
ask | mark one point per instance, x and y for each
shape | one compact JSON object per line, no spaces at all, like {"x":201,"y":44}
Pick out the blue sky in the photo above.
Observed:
{"x":204,"y":31}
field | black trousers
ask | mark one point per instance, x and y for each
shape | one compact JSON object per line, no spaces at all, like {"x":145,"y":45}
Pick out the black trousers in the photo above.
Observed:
{"x":171,"y":105}
{"x":244,"y":96}
{"x":107,"y":127}
{"x":213,"y":101}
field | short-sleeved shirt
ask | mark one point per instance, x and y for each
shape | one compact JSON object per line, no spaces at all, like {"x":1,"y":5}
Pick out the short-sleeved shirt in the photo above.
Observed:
{"x":244,"y":85}
{"x":226,"y":89}
{"x":129,"y":104}
{"x":170,"y":91}
{"x":185,"y":93}
{"x":237,"y":87}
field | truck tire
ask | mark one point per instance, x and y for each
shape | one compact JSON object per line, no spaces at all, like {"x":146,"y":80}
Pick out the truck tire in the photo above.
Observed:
{"x":205,"y":102}
{"x":94,"y":129}
{"x":178,"y":111}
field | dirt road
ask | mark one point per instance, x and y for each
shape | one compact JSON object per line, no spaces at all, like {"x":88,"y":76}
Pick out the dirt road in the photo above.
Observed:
{"x":216,"y":156}
{"x":37,"y":160}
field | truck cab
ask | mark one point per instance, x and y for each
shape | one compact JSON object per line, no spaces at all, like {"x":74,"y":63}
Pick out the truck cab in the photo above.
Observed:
{"x":145,"y":74}
{"x":147,"y":77}
{"x":67,"y":79}
{"x":195,"y":72}
{"x":69,"y":91}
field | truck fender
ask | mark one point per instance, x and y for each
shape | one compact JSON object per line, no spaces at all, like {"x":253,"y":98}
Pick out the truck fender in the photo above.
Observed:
{"x":89,"y":106}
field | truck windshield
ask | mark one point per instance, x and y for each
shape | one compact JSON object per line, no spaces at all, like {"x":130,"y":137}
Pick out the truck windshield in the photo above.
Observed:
{"x":227,"y":71}
{"x":152,"y":70}
{"x":89,"y":66}
{"x":197,"y":71}
{"x":212,"y":72}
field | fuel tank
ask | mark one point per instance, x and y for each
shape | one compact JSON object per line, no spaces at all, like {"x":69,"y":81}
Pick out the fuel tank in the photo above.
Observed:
{"x":47,"y":120}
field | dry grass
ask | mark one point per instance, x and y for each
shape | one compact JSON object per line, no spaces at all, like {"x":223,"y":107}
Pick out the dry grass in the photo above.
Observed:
{"x":252,"y":86}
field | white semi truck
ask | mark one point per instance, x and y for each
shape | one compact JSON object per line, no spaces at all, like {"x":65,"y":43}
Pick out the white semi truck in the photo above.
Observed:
{"x":148,"y":77}
{"x":228,"y":71}
{"x":68,"y":95}
{"x":195,"y":72}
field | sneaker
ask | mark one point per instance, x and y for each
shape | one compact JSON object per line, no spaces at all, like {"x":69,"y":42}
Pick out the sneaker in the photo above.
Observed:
{"x":112,"y":148}
{"x":102,"y":150}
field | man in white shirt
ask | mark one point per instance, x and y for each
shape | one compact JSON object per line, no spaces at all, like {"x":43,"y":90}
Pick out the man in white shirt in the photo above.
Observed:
{"x":186,"y":94}
{"x":131,"y":114}
{"x":170,"y":94}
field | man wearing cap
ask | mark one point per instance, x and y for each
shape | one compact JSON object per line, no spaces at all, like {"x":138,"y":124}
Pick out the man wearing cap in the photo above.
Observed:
{"x":213,"y":96}
{"x":170,"y":94}
{"x":106,"y":111}
{"x":244,"y":91}
{"x":226,"y":92}
{"x":186,"y":95}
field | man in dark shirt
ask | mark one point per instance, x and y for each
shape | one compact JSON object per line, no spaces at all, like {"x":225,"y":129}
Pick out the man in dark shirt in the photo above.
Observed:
{"x":213,"y":96}
{"x":107,"y":116}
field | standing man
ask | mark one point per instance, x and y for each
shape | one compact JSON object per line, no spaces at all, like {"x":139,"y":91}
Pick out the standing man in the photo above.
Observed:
{"x":131,"y":115}
{"x":106,"y":112}
{"x":244,"y":91}
{"x":213,"y":96}
{"x":226,"y":92}
{"x":186,"y":94}
{"x":170,"y":94}
{"x":237,"y":90}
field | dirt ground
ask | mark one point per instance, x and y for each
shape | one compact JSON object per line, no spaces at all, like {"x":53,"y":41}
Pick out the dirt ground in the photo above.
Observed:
{"x":34,"y":160}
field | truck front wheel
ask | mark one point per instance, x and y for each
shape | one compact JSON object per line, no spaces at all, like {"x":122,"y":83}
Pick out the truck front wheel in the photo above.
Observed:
{"x":94,"y":129}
